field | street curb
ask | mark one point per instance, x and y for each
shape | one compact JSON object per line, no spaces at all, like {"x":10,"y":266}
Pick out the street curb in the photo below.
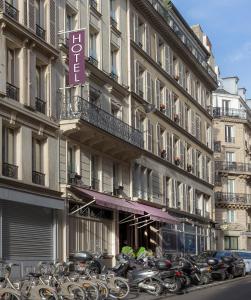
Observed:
{"x":202,"y":287}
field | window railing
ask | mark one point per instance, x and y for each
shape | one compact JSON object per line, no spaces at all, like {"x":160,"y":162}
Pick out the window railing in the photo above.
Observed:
{"x":93,"y":60}
{"x":232,"y":198}
{"x":229,"y":139}
{"x":11,"y":11}
{"x":12,"y":91}
{"x":202,"y":59}
{"x":114,"y":76}
{"x":79,"y":108}
{"x":10,"y":170}
{"x":232,"y":166}
{"x":198,"y":211}
{"x":232,"y":113}
{"x":114,"y":23}
{"x":40,"y":31}
{"x":94,"y":4}
{"x":40,"y":105}
{"x":74,"y":178}
{"x":38,"y":178}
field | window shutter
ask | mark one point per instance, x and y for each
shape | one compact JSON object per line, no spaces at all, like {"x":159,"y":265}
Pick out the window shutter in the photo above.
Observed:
{"x":194,"y":160}
{"x":174,"y":189}
{"x":185,"y":193}
{"x":31,"y":14}
{"x":171,"y":62}
{"x":147,"y":39}
{"x":25,"y":16}
{"x":149,"y":135}
{"x":193,"y":129}
{"x":137,"y":78}
{"x":173,"y":109}
{"x":31,"y":77}
{"x":167,"y":59}
{"x":136,"y":28}
{"x":194,"y":200}
{"x":168,"y":146}
{"x":182,"y":154}
{"x":157,"y":196}
{"x":148,"y":87}
{"x":158,"y":140}
{"x":157,"y":89}
{"x":52,"y":29}
{"x":168,"y":105}
{"x":2,"y":2}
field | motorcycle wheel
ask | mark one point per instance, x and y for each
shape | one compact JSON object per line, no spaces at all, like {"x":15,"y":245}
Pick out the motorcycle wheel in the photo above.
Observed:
{"x":91,"y":290}
{"x":121,"y":289}
{"x":223,"y":276}
{"x":157,"y":285}
{"x":175,"y":287}
{"x":243,"y":274}
{"x":230,"y":276}
{"x":205,"y":279}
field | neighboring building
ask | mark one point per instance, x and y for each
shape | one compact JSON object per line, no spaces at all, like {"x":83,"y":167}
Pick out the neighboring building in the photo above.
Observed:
{"x":30,"y":201}
{"x":169,"y":69}
{"x":232,"y":134}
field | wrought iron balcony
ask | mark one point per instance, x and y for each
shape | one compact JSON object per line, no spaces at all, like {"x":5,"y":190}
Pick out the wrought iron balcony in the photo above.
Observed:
{"x":114,"y":76}
{"x":79,"y":108}
{"x":40,"y":31}
{"x":114,"y":22}
{"x":40,"y":105}
{"x":232,"y":166}
{"x":74,"y":178}
{"x":198,"y":211}
{"x":10,"y":170}
{"x":95,"y":184}
{"x":230,"y":139}
{"x":186,"y":40}
{"x":94,"y":4}
{"x":11,"y":11}
{"x":93,"y":60}
{"x":231,"y":113}
{"x":232,"y":198}
{"x":38,"y":178}
{"x":12,"y":91}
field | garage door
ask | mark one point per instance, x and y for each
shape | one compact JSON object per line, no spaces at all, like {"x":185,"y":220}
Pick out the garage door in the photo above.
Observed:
{"x":27,"y":232}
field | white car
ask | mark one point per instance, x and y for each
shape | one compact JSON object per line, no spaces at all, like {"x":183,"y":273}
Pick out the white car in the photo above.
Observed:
{"x":246,"y":256}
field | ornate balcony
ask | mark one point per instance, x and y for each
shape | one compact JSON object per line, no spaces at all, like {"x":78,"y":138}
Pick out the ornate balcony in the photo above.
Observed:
{"x":242,"y":114}
{"x":12,"y":91}
{"x":93,"y":61}
{"x":83,"y":110}
{"x":225,"y":166}
{"x":186,"y":40}
{"x":38,"y":178}
{"x":114,"y":76}
{"x":11,"y":11}
{"x":94,"y":4}
{"x":9,"y":170}
{"x":232,"y":199}
{"x":40,"y":31}
{"x":40,"y":105}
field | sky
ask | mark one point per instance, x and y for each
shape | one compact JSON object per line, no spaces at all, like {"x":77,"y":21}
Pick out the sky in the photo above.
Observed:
{"x":228,"y":26}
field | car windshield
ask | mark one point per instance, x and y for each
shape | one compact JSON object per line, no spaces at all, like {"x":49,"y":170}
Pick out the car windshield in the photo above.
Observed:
{"x":245,"y":255}
{"x":220,"y":254}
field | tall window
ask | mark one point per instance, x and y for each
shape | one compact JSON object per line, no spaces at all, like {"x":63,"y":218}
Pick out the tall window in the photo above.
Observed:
{"x":71,"y":160}
{"x":10,"y":66}
{"x":114,"y":61}
{"x":94,"y":172}
{"x":231,"y":242}
{"x":230,"y":157}
{"x":38,"y":82}
{"x":225,"y":106}
{"x":113,"y":9}
{"x":8,"y":146}
{"x":230,"y":186}
{"x":37,"y":155}
{"x":38,"y":6}
{"x":93,"y":45}
{"x":229,"y":134}
{"x":231,"y":216}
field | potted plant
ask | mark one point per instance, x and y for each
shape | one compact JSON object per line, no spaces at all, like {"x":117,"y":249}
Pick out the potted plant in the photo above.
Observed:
{"x":163,"y":153}
{"x":162,"y":107}
{"x":176,"y":118}
{"x":177,"y":161}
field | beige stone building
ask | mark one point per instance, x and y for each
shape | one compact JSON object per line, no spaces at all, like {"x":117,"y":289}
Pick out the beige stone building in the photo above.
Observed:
{"x":232,"y":120}
{"x":118,"y":158}
{"x":30,"y":201}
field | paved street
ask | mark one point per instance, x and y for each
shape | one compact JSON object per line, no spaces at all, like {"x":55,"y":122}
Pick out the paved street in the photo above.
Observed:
{"x":236,"y":290}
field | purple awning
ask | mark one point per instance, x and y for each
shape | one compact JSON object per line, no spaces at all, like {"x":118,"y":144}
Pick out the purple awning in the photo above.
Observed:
{"x":122,"y":204}
{"x":110,"y":201}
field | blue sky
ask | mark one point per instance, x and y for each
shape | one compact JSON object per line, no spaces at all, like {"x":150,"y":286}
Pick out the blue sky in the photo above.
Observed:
{"x":228,"y":26}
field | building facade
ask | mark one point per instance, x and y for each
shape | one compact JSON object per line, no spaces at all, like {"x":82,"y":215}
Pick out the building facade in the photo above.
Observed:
{"x":30,"y":201}
{"x":126,"y":156}
{"x":232,"y":166}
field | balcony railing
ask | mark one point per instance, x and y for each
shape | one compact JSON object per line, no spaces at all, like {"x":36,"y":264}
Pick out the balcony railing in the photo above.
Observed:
{"x":198,"y":211}
{"x":114,"y":22}
{"x":9,"y":170}
{"x":232,"y":113}
{"x":95,"y":182}
{"x":12,"y":91}
{"x":40,"y":31}
{"x":74,"y":178}
{"x":170,"y":21}
{"x":114,"y":76}
{"x":11,"y":11}
{"x":40,"y":105}
{"x":94,"y":4}
{"x":79,"y":108}
{"x":232,"y":166}
{"x":230,"y":139}
{"x":38,"y":178}
{"x":232,"y":198}
{"x":93,"y":60}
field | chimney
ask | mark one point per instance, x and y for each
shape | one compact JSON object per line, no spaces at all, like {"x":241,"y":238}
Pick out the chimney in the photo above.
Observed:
{"x":242,"y":93}
{"x":230,"y":84}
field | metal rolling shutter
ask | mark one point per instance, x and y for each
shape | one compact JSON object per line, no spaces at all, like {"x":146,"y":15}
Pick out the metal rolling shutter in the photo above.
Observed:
{"x":27,"y":232}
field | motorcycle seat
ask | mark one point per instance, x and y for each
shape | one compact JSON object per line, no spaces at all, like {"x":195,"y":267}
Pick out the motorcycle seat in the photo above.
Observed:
{"x":35,"y":275}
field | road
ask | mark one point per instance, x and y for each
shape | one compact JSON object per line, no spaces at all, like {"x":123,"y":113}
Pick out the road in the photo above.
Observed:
{"x":235,"y":290}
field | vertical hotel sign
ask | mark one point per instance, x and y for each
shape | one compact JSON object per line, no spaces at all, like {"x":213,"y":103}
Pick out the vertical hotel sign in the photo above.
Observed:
{"x":77,"y":57}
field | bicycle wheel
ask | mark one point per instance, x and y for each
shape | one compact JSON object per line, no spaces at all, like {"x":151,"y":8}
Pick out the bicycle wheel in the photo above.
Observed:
{"x":103,"y":290}
{"x":91,"y":290}
{"x":9,"y":296}
{"x":48,"y":294}
{"x":119,"y":289}
{"x":77,"y":292}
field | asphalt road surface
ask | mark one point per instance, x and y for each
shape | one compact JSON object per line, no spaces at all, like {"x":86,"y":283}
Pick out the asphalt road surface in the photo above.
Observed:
{"x":235,"y":290}
{"x":239,"y":290}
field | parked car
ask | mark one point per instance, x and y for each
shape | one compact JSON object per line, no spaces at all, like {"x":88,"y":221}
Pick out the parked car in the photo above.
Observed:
{"x":246,"y":256}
